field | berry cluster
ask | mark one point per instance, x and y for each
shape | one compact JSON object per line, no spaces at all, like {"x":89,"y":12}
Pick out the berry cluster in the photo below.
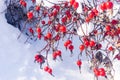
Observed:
{"x":62,"y":22}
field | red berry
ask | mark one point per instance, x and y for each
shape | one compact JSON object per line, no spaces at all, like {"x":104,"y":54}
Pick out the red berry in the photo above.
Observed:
{"x":71,"y":47}
{"x":95,"y":11}
{"x":110,"y":48}
{"x":65,"y":44}
{"x":109,"y":5}
{"x":30,"y":15}
{"x":37,"y":8}
{"x":96,"y":72}
{"x":91,"y":15}
{"x":68,"y":42}
{"x":92,"y":43}
{"x":39,"y":36}
{"x":82,"y":47}
{"x":37,"y":57}
{"x":87,"y":19}
{"x":38,"y":29}
{"x":58,"y":52}
{"x":55,"y":12}
{"x":48,"y":35}
{"x":57,"y":7}
{"x":43,"y":22}
{"x":24,"y":3}
{"x":95,"y":31}
{"x":114,"y":22}
{"x":76,"y":5}
{"x":79,"y":63}
{"x":31,"y":31}
{"x":57,"y":37}
{"x":102,"y":72}
{"x":62,"y":29}
{"x":72,"y":2}
{"x":108,"y":27}
{"x":46,"y":68}
{"x":86,"y":43}
{"x":49,"y":22}
{"x":103,"y":6}
{"x":33,"y":1}
{"x":64,"y":19}
{"x":54,"y":55}
{"x":49,"y":71}
{"x":40,"y":60}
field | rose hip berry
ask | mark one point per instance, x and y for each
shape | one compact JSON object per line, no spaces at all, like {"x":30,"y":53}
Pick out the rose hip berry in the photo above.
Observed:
{"x":79,"y":62}
{"x":37,"y":8}
{"x":49,"y":71}
{"x":92,"y":43}
{"x":82,"y":47}
{"x":38,"y":29}
{"x":46,"y":68}
{"x":62,"y":29}
{"x":109,"y":5}
{"x":72,"y":2}
{"x":103,"y":6}
{"x":102,"y":72}
{"x":71,"y":47}
{"x":108,"y":27}
{"x":30,"y":15}
{"x":76,"y":5}
{"x":96,"y":72}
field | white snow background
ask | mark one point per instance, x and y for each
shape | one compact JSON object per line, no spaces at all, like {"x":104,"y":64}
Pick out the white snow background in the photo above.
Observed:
{"x":17,"y":58}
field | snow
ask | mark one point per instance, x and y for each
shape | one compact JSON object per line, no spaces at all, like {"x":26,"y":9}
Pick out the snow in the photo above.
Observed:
{"x":17,"y":59}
